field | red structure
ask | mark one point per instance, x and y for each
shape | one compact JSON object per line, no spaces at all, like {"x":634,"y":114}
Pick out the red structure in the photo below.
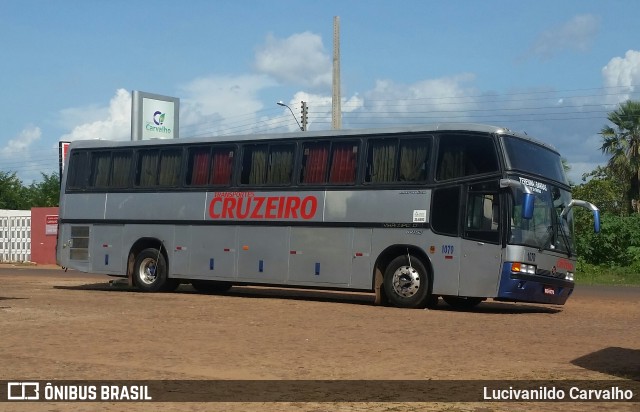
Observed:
{"x":44,"y":230}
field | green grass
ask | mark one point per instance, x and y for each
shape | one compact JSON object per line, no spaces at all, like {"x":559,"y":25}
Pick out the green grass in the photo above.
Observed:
{"x":588,"y":274}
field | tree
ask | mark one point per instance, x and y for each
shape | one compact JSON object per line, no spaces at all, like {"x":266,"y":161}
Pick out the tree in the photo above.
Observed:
{"x":12,"y":193}
{"x":623,"y":144}
{"x":45,"y":193}
{"x":603,"y":190}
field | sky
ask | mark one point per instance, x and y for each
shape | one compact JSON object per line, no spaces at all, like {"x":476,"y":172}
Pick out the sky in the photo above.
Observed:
{"x":553,"y":69}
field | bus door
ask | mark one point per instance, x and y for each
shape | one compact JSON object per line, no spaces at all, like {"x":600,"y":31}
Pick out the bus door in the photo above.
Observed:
{"x":481,"y":251}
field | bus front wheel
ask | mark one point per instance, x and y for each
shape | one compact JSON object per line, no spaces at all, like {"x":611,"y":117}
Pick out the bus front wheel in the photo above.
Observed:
{"x":150,"y":272}
{"x":406,"y":282}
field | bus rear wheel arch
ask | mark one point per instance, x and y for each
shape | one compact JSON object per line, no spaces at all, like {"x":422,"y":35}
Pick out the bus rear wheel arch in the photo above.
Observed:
{"x":406,"y":282}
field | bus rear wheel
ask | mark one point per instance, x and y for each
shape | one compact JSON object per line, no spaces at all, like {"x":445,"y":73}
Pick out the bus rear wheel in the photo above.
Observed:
{"x":462,"y":302}
{"x":150,"y":272}
{"x":406,"y":282}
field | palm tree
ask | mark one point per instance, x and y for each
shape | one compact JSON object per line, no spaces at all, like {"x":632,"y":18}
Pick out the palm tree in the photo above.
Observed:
{"x":623,"y":144}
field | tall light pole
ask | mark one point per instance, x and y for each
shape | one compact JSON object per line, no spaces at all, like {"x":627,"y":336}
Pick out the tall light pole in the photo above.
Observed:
{"x":294,"y":116}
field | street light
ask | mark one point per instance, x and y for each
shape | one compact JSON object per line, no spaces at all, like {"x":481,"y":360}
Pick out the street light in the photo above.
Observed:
{"x":294,"y":116}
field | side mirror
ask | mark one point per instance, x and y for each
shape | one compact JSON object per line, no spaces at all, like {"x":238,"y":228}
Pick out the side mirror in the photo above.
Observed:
{"x":586,"y":205}
{"x":528,"y":197}
{"x":527,"y":205}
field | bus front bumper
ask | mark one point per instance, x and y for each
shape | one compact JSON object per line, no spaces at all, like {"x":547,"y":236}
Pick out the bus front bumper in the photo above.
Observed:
{"x":524,"y":287}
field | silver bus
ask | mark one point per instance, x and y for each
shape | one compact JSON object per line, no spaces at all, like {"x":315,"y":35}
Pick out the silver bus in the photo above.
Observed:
{"x":464,"y":212}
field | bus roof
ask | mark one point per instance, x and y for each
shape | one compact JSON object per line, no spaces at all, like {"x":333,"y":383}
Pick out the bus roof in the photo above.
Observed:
{"x":425,"y":128}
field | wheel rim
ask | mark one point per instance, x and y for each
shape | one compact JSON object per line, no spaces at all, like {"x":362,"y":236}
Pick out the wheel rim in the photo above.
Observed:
{"x":147,"y":271}
{"x":406,"y":281}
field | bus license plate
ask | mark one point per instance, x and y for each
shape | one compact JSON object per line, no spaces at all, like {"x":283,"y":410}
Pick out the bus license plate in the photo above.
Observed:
{"x":549,"y":290}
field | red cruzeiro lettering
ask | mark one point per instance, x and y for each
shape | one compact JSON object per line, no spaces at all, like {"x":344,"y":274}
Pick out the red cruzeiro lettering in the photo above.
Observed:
{"x":223,"y":206}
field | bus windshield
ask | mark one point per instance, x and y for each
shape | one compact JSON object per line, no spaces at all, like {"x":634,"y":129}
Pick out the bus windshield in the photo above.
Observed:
{"x":546,"y":230}
{"x":533,"y":158}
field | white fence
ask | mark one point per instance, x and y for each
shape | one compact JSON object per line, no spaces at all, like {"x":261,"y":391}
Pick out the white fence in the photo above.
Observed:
{"x":15,"y":236}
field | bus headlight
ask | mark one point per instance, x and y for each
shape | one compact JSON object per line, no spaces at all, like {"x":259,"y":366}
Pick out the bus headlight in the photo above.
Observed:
{"x":569,"y":276}
{"x":518,"y":267}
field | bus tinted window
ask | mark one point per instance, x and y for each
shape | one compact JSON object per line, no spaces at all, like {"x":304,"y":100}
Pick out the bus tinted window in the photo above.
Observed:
{"x":147,"y":169}
{"x":530,"y":157}
{"x":344,"y":162}
{"x":445,"y":210}
{"x":100,"y":169}
{"x":121,"y":169}
{"x":210,"y":166}
{"x":465,"y":155}
{"x":78,"y":170}
{"x":267,"y":164}
{"x":110,"y":169}
{"x":393,"y":160}
{"x":158,"y":168}
{"x":315,"y":161}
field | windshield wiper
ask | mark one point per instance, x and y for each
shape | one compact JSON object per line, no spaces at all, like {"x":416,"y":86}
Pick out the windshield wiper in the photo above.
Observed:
{"x":565,"y":238}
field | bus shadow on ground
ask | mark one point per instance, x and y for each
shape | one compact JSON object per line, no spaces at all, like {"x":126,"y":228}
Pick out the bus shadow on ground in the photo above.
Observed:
{"x":318,"y":295}
{"x":500,"y":308}
{"x":615,"y":361}
{"x":256,"y":292}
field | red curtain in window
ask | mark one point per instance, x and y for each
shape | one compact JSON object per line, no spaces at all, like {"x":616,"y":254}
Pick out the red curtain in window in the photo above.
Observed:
{"x":343,"y":165}
{"x":316,"y":165}
{"x":200,"y":166}
{"x":221,"y":168}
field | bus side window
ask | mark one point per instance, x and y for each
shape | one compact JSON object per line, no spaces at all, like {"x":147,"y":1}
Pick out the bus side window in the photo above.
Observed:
{"x":445,"y":210}
{"x":381,"y":160}
{"x":78,"y":170}
{"x":280,"y":164}
{"x":169,"y":169}
{"x":254,"y":164}
{"x":267,"y":164}
{"x":100,"y":169}
{"x":198,"y":166}
{"x":344,"y":161}
{"x":205,"y":167}
{"x":390,"y":160}
{"x":465,"y":155}
{"x":414,"y":159}
{"x":121,"y":162}
{"x":221,"y":166}
{"x":315,"y":158}
{"x":483,"y":216}
{"x":147,"y":169}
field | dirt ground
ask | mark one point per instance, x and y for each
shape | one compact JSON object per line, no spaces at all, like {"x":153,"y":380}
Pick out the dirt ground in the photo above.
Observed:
{"x":56,"y":325}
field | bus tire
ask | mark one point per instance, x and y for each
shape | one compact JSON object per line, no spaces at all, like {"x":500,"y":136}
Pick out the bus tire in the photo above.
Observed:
{"x":210,"y":286}
{"x":462,"y":302}
{"x":406,"y":285}
{"x":150,"y":272}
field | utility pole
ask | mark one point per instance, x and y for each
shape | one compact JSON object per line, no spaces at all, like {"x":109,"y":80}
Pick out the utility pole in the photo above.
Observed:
{"x":336,"y":110}
{"x":303,"y":116}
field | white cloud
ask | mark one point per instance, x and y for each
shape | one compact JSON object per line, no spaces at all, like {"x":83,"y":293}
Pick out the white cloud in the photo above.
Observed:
{"x":623,"y":72}
{"x":21,"y":143}
{"x":432,"y":100}
{"x":299,"y":59}
{"x":575,"y":35}
{"x":115,"y":125}
{"x":221,"y":104}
